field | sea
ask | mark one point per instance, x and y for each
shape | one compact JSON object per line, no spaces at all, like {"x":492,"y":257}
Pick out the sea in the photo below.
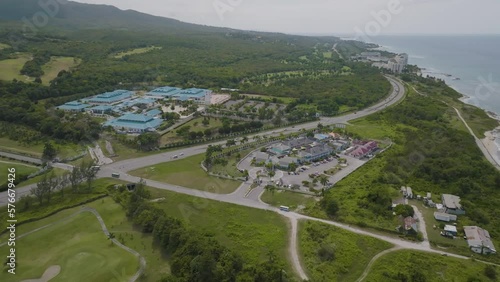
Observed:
{"x":468,"y":63}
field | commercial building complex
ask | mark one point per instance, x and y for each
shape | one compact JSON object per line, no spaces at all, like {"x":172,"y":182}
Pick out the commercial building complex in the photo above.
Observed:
{"x":197,"y":95}
{"x":73,"y":107}
{"x":109,"y":98}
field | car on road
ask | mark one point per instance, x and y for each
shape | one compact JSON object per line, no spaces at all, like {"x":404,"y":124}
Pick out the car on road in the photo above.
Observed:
{"x":115,"y":175}
{"x":175,"y":157}
{"x":181,"y":154}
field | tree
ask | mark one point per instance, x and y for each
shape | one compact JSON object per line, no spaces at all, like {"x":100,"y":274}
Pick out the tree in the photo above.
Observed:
{"x":323,"y":179}
{"x":404,"y":210}
{"x":244,"y":140}
{"x":75,"y":178}
{"x":88,"y":173}
{"x":148,"y":141}
{"x":270,"y":188}
{"x":40,"y":189}
{"x":205,"y":122}
{"x":292,"y":167}
{"x":331,"y":207}
{"x":230,"y":142}
{"x":49,"y":152}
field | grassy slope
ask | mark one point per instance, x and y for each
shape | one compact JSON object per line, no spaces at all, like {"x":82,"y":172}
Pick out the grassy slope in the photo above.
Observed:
{"x":188,"y":173}
{"x":433,"y":267}
{"x":352,"y":252}
{"x":78,"y":245}
{"x":135,"y":52}
{"x":10,"y":68}
{"x":55,"y":65}
{"x":251,"y":232}
{"x":21,"y":169}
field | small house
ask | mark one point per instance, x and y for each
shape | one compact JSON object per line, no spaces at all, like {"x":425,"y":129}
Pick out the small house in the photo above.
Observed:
{"x":450,"y":230}
{"x":444,"y":216}
{"x":452,"y":204}
{"x":479,"y":240}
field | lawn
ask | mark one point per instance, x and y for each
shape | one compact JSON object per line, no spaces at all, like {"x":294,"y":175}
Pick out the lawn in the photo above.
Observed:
{"x":12,"y":146}
{"x":135,"y":51}
{"x":287,"y":198}
{"x":194,"y":125}
{"x":333,"y":254}
{"x":284,"y":100}
{"x":231,"y":168}
{"x":21,"y":169}
{"x":78,"y":245}
{"x":11,"y":68}
{"x":4,"y":46}
{"x":57,"y":172}
{"x":188,"y":173}
{"x":56,"y":65}
{"x":400,"y":265}
{"x":251,"y":232}
{"x":121,"y":151}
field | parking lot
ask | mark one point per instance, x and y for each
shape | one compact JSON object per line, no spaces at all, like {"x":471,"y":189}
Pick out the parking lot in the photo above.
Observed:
{"x":303,"y":175}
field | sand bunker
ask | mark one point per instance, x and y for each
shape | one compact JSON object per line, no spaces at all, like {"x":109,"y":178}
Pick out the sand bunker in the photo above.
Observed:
{"x":49,"y":273}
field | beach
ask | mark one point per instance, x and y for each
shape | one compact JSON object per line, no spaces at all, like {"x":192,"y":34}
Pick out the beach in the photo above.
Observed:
{"x":492,"y":143}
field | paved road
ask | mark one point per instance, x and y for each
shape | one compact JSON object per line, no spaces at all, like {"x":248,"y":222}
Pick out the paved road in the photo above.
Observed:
{"x":21,"y":158}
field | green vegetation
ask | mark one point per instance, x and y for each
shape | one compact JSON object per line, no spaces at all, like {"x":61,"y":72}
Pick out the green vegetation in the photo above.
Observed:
{"x":135,"y":52}
{"x":11,"y":68}
{"x":77,"y":245}
{"x":22,"y":170}
{"x":187,"y":172}
{"x":57,"y":64}
{"x":252,"y":250}
{"x":333,"y":254}
{"x":418,"y":266}
{"x":4,"y":46}
{"x":287,"y":198}
{"x":429,"y":154}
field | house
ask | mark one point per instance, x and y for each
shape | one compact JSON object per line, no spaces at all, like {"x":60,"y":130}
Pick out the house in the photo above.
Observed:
{"x":408,"y":225}
{"x":134,"y":123}
{"x":407,"y":192}
{"x":450,"y":230}
{"x":335,"y":136}
{"x":363,"y":149}
{"x":261,"y":157}
{"x":445,"y":217}
{"x":479,"y":240}
{"x":321,"y":137}
{"x":340,"y":145}
{"x":452,"y":205}
{"x":315,"y":153}
{"x":280,"y":149}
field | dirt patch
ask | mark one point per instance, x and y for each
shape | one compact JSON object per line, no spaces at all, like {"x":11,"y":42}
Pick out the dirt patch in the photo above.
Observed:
{"x":51,"y":272}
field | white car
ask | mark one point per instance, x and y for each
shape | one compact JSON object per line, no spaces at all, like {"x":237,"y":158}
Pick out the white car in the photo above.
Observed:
{"x":181,"y":154}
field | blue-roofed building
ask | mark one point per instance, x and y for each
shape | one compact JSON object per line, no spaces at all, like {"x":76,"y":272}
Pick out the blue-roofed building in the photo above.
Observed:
{"x":109,"y":97}
{"x":153,"y":113}
{"x":134,"y":123}
{"x":73,"y":107}
{"x":100,"y":110}
{"x":197,"y":95}
{"x":164,"y":92}
{"x":321,"y":137}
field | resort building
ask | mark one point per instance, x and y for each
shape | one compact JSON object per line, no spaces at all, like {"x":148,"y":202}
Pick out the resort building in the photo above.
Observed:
{"x":100,"y":110}
{"x":73,"y":107}
{"x":134,"y":123}
{"x":197,"y":95}
{"x":109,"y":98}
{"x":479,"y":240}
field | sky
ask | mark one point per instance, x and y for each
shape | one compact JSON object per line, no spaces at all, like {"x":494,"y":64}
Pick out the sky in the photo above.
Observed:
{"x":329,"y":17}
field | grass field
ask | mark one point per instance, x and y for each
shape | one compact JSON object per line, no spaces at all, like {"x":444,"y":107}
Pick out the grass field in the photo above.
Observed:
{"x":14,"y":147}
{"x":188,"y":173}
{"x":135,"y":51}
{"x":11,"y":68}
{"x":251,"y":232}
{"x":287,"y":198}
{"x":285,"y":100}
{"x":195,"y":125}
{"x":78,"y":245}
{"x":21,"y":169}
{"x":332,"y":254}
{"x":4,"y":46}
{"x":55,"y":65}
{"x":432,"y":266}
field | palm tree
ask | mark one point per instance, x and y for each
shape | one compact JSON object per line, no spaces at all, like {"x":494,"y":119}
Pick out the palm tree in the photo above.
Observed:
{"x":323,"y":179}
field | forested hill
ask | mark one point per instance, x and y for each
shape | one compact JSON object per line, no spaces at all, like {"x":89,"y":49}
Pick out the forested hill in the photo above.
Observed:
{"x":73,"y":15}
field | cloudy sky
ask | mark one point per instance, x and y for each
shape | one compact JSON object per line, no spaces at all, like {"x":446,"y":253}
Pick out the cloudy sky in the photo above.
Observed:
{"x":330,"y":16}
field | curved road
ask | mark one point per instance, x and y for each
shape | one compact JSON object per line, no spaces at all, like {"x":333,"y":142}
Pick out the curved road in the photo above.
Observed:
{"x":122,"y":167}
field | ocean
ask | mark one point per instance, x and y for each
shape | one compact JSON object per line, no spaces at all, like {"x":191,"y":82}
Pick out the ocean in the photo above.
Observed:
{"x":468,"y":63}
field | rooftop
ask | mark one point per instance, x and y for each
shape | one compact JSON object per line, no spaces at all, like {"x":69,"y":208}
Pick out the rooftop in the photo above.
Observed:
{"x":451,"y":201}
{"x":478,"y":237}
{"x":135,"y":121}
{"x":73,"y":106}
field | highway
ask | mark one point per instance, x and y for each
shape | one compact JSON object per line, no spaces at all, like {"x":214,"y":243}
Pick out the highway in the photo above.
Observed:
{"x":122,"y":167}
